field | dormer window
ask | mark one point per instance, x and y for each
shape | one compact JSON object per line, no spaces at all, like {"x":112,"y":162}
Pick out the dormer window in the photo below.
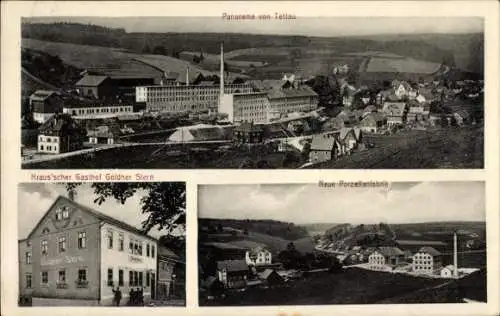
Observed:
{"x":65,"y":213}
{"x":58,"y":214}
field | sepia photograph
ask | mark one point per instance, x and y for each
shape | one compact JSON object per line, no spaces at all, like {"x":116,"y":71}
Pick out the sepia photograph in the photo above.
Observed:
{"x":252,"y":91}
{"x":342,"y":243}
{"x":102,"y":244}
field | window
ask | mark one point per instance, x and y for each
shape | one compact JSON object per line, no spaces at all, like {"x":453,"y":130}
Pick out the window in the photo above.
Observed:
{"x":41,"y":147}
{"x":28,"y":257}
{"x":110,"y":239}
{"x":65,"y":212}
{"x":110,"y":277}
{"x":140,"y":249}
{"x":136,"y":278}
{"x":82,"y":240}
{"x":62,"y":244}
{"x":62,"y":276}
{"x":147,"y":250}
{"x":44,"y":247}
{"x":28,"y":281}
{"x":152,"y":251}
{"x":140,"y":278}
{"x":136,"y":248}
{"x":131,"y":247}
{"x":58,"y":211}
{"x":45,"y":277}
{"x":120,"y":277}
{"x":120,"y":242}
{"x":28,"y":243}
{"x":147,"y":278}
{"x":82,"y":275}
{"x":131,"y":278}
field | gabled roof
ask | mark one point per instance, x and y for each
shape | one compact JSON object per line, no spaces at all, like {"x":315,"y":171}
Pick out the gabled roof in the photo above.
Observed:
{"x":464,"y":114}
{"x":91,"y":80}
{"x":430,"y":250}
{"x":41,"y":95}
{"x":394,"y":108}
{"x":376,"y":116}
{"x":105,"y":131}
{"x":266,"y":274}
{"x":390,"y":251}
{"x":167,"y":253}
{"x":100,"y":216}
{"x":61,"y":123}
{"x":319,"y":142}
{"x":232,"y":265}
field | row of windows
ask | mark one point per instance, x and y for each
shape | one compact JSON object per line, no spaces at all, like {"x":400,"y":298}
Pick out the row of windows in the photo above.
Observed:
{"x":61,"y":245}
{"x":135,"y":278}
{"x":48,"y":148}
{"x":62,"y":213}
{"x":60,"y":278}
{"x":99,"y":110}
{"x":135,"y":246}
{"x":48,"y":139}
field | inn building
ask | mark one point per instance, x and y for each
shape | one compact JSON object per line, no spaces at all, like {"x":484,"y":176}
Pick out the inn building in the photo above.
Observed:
{"x":77,"y":256}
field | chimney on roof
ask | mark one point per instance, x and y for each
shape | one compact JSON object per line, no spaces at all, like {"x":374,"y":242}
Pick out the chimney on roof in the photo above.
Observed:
{"x":71,"y":194}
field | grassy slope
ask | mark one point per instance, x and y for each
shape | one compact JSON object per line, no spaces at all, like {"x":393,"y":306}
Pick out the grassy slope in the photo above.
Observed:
{"x":447,"y":148}
{"x":353,"y":286}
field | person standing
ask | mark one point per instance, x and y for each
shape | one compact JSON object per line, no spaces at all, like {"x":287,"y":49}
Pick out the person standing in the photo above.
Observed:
{"x":118,"y":296}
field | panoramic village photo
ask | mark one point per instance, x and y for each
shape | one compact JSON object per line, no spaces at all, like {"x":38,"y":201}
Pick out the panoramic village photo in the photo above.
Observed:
{"x":236,"y":93}
{"x":102,"y":244}
{"x":352,"y":243}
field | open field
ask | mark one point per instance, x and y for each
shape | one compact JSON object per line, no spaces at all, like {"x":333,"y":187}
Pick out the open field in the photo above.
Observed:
{"x":401,"y":65}
{"x":352,"y":286}
{"x":440,"y":148}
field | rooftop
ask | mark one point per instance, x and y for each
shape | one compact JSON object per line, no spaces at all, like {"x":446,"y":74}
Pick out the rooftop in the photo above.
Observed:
{"x":232,"y":265}
{"x":91,"y":80}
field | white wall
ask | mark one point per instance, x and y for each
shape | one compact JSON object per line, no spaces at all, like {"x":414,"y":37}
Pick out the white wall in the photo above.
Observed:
{"x":116,"y":259}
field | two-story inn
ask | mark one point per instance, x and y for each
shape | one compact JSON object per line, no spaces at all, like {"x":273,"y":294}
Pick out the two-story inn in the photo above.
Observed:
{"x":77,"y":256}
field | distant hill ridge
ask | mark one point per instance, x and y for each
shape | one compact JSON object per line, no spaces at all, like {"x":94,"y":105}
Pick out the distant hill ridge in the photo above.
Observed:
{"x":464,"y":51}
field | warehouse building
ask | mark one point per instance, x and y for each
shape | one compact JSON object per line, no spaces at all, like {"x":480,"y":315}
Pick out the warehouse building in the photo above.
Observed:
{"x":77,"y":256}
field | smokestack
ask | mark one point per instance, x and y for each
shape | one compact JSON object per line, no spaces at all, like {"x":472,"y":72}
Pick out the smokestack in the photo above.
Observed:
{"x":221,"y":84}
{"x":187,"y":76}
{"x":455,"y":259}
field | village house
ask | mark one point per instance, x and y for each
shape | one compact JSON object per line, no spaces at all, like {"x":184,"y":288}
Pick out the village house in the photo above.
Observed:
{"x":248,"y":133}
{"x":258,"y":256}
{"x":168,"y":263}
{"x":426,"y":261}
{"x":348,"y":95}
{"x":348,"y":138}
{"x":373,"y":122}
{"x":104,"y":134}
{"x":395,"y":113}
{"x":401,"y":88}
{"x":270,"y":277}
{"x":44,"y":104}
{"x":323,"y":148}
{"x":60,"y":134}
{"x":232,"y":273}
{"x":447,"y":272}
{"x":96,"y":87}
{"x":77,"y":255}
{"x":385,"y":258}
{"x":416,"y":112}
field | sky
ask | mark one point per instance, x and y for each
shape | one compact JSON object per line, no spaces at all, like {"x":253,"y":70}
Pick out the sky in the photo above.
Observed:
{"x":308,"y":26}
{"x":34,"y":200}
{"x":310,"y":203}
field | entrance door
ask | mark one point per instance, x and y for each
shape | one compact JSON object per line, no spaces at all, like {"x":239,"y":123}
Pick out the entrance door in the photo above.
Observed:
{"x":153,"y":286}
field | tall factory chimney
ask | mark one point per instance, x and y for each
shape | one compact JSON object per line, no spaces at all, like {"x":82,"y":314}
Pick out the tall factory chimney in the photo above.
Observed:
{"x":221,"y":83}
{"x":455,"y":258}
{"x":187,"y":76}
